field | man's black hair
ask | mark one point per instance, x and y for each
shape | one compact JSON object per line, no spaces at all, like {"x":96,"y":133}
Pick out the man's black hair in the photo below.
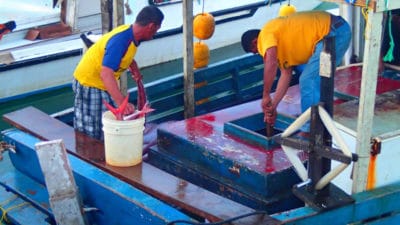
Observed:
{"x":247,"y":39}
{"x":149,"y":14}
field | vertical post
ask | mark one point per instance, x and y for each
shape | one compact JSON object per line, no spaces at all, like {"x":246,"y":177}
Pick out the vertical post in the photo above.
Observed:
{"x":321,"y":165}
{"x":112,"y":15}
{"x":71,"y":13}
{"x":373,"y":37}
{"x":188,"y":58}
{"x":106,"y":11}
{"x":118,"y":18}
{"x":63,"y":194}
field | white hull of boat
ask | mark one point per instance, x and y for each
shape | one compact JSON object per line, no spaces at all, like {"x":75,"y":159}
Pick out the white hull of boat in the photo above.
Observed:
{"x":38,"y":77}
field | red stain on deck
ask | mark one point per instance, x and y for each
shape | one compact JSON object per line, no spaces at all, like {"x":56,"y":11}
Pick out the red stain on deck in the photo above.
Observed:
{"x":207,"y":131}
{"x":348,"y":81}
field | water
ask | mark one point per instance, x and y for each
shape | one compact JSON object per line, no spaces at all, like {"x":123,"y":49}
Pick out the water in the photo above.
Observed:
{"x":61,"y":99}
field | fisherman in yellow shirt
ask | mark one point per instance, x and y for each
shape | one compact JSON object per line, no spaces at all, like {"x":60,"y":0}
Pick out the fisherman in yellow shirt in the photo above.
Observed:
{"x":289,"y":41}
{"x":95,"y":77}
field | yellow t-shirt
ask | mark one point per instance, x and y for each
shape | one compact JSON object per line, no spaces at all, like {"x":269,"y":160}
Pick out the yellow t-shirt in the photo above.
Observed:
{"x":88,"y":70}
{"x":294,"y":36}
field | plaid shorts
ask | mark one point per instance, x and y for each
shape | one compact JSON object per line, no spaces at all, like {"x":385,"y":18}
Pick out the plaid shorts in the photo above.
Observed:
{"x":89,"y":108}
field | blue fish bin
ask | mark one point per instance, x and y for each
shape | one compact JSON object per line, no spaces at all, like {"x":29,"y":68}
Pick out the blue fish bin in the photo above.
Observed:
{"x":234,"y":159}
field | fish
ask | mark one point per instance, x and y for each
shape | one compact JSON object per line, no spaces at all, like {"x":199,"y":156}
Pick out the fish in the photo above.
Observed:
{"x":139,"y":113}
{"x":118,"y":112}
{"x":142,"y":104}
{"x":142,"y":98}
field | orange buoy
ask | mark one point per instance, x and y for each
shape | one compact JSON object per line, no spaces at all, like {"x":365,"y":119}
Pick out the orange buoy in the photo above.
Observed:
{"x":203,"y":26}
{"x":201,"y":54}
{"x":286,"y":10}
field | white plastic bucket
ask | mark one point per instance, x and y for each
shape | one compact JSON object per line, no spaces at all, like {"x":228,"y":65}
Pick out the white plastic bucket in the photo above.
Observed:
{"x":123,"y":140}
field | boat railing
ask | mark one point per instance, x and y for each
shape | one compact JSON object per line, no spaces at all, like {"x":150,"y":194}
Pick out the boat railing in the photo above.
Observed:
{"x":219,"y":85}
{"x":223,"y":16}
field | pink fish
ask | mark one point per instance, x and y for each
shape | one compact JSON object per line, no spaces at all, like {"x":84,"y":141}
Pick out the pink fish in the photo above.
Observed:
{"x":141,"y":93}
{"x":139,"y":113}
{"x":118,"y":112}
{"x":142,"y":104}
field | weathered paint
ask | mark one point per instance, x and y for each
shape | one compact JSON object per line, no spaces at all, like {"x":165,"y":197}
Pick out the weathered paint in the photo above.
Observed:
{"x":117,"y":202}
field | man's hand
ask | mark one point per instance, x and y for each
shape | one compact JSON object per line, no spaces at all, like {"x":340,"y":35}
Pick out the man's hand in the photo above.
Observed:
{"x":270,"y":117}
{"x":130,"y":108}
{"x":269,"y":110}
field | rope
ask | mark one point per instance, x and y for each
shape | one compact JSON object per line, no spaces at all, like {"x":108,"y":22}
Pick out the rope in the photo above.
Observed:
{"x":389,"y":55}
{"x":5,"y":211}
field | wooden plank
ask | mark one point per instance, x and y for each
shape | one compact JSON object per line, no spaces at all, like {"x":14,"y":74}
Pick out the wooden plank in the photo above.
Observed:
{"x":164,"y":186}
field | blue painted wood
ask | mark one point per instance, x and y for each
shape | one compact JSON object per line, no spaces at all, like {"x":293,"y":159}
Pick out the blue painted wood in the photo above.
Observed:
{"x":18,"y":210}
{"x":220,"y":185}
{"x":117,"y":202}
{"x":378,"y":206}
{"x":28,"y":191}
{"x":251,"y":129}
{"x":217,"y":167}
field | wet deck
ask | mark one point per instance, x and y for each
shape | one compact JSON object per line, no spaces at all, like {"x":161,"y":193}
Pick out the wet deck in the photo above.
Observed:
{"x":201,"y":140}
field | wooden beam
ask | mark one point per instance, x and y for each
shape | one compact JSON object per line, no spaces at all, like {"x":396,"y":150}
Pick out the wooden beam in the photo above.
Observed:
{"x":112,"y":15}
{"x":71,"y":13}
{"x":373,"y":36}
{"x":63,"y":193}
{"x":188,"y":58}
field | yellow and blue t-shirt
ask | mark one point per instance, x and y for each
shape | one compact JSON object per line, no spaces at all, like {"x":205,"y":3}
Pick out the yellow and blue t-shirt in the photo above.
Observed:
{"x":294,"y":36}
{"x":115,"y":50}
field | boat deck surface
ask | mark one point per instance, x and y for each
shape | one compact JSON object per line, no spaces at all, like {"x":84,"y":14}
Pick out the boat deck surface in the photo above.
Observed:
{"x":205,"y":130}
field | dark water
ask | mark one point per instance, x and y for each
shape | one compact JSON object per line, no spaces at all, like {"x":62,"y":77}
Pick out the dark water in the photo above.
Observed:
{"x":61,"y":99}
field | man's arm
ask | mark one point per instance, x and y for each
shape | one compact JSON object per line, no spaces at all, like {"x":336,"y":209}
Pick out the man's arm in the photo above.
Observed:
{"x":270,"y":68}
{"x":283,"y":85}
{"x":107,"y":75}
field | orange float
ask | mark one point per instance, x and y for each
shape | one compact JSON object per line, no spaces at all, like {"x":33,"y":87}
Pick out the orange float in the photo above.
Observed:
{"x":203,"y":26}
{"x":201,"y":54}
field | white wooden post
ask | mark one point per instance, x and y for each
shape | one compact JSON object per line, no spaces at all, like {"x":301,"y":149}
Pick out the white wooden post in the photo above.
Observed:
{"x":63,"y":194}
{"x":71,"y":16}
{"x":373,"y":38}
